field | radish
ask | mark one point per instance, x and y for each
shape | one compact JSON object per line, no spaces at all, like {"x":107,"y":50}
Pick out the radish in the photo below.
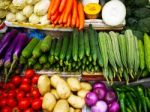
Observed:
{"x":114,"y":13}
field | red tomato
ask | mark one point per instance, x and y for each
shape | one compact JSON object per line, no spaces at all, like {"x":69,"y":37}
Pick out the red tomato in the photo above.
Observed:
{"x":26,"y":80}
{"x":29,"y":73}
{"x":6,"y":109}
{"x":3,"y":102}
{"x":4,"y":94}
{"x":20,"y":95}
{"x":35,"y":79}
{"x":10,"y":85}
{"x":28,"y":95}
{"x":16,"y":80}
{"x":11,"y":102}
{"x":37,"y":104}
{"x":35,"y":93}
{"x":16,"y":109}
{"x":25,"y":87}
{"x":24,"y":103}
{"x":28,"y":110}
{"x":11,"y":93}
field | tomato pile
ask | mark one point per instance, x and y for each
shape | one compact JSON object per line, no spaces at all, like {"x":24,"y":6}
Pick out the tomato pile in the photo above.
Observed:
{"x":21,"y":94}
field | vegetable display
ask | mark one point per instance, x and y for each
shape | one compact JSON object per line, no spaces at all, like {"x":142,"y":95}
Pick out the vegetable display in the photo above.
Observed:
{"x":60,"y":94}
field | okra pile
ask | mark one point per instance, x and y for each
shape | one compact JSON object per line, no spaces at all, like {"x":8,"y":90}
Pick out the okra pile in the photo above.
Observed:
{"x":121,"y":56}
{"x":133,"y":98}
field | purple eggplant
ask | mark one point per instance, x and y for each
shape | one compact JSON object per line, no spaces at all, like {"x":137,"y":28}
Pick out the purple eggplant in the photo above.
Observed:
{"x":5,"y":42}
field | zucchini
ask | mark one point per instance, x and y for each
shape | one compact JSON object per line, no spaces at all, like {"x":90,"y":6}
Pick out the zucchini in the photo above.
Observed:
{"x":103,"y":48}
{"x":81,"y":45}
{"x":92,"y":43}
{"x":46,"y":43}
{"x":27,"y":51}
{"x":123,"y":49}
{"x":115,"y":47}
{"x":43,"y":59}
{"x":22,"y":60}
{"x":111,"y":57}
{"x":58,"y":48}
{"x":141,"y":54}
{"x":31,"y":61}
{"x":37,"y":66}
{"x":69,"y":51}
{"x":86,"y":43}
{"x":146,"y":50}
{"x":64,"y":49}
{"x":46,"y":66}
{"x":37,"y":50}
{"x":75,"y":45}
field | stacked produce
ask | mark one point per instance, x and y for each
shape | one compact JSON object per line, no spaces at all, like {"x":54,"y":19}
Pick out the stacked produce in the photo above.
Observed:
{"x":102,"y":99}
{"x":68,"y":13}
{"x":20,"y":94}
{"x":10,"y":48}
{"x":62,"y":96}
{"x":133,"y":98}
{"x":32,"y":11}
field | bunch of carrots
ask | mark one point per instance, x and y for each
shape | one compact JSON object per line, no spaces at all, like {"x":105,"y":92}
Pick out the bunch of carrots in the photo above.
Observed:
{"x":66,"y":13}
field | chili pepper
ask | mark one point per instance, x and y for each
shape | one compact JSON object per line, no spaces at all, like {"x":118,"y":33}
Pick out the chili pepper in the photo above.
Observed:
{"x":122,"y":102}
{"x":141,"y":95}
{"x":132,"y":102}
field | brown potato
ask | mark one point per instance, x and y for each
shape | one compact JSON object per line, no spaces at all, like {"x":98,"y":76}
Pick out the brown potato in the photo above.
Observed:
{"x":61,"y":106}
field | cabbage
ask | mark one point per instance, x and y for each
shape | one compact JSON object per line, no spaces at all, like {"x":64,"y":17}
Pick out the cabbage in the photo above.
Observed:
{"x":19,"y":3}
{"x":41,"y":7}
{"x":34,"y":19}
{"x":20,"y":17}
{"x":44,"y":20}
{"x":3,"y":13}
{"x":31,"y":2}
{"x":11,"y":17}
{"x":28,"y":10}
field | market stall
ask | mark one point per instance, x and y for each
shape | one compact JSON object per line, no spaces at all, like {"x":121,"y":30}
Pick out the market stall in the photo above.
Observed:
{"x":74,"y":56}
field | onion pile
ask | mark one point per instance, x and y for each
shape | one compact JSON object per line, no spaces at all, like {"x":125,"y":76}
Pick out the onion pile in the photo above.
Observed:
{"x":102,"y":99}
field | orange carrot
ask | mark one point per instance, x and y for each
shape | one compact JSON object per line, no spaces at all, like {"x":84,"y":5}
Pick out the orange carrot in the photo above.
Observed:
{"x":77,"y":22}
{"x":74,"y":14}
{"x":50,"y":8}
{"x":57,"y":19}
{"x":55,"y":7}
{"x":62,"y":5}
{"x":68,"y":10}
{"x":62,"y":16}
{"x":81,"y":15}
{"x":69,"y":20}
{"x":53,"y":17}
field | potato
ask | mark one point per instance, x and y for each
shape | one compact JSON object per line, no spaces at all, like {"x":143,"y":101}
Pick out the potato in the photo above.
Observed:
{"x":76,"y":101}
{"x":82,"y":93}
{"x":49,"y":102}
{"x":63,"y":89}
{"x":54,"y":80}
{"x":71,"y":109}
{"x":61,"y":106}
{"x":43,"y":84}
{"x":54,"y":92}
{"x":86,"y":86}
{"x":74,"y":84}
{"x":78,"y":110}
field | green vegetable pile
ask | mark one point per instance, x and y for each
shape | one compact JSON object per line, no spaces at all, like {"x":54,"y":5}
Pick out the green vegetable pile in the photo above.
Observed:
{"x":133,"y":98}
{"x":121,"y":56}
{"x":138,"y":16}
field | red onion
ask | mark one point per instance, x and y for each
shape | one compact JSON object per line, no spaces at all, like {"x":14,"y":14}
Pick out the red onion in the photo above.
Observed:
{"x":114,"y":107}
{"x":91,"y":98}
{"x":110,"y":96}
{"x":100,"y":106}
{"x":100,"y":92}
{"x":99,"y":84}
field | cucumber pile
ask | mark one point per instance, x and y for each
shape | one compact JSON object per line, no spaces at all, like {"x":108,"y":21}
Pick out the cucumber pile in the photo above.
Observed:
{"x":133,"y":98}
{"x":120,"y":56}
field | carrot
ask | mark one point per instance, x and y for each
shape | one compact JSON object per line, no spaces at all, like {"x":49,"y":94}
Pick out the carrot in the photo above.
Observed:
{"x":55,"y":6}
{"x":69,"y":20}
{"x":50,"y":8}
{"x":53,"y":17}
{"x":62,"y":5}
{"x":57,"y":19}
{"x":77,"y":22}
{"x":62,"y":16}
{"x":81,"y":15}
{"x":68,"y":10}
{"x":74,"y":14}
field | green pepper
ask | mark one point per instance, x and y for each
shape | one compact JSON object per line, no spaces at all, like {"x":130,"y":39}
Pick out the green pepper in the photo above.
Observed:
{"x":141,"y":95}
{"x":122,"y":102}
{"x":132,"y":102}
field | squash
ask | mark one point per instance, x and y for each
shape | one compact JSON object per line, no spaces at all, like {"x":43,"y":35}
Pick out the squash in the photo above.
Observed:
{"x":92,"y":10}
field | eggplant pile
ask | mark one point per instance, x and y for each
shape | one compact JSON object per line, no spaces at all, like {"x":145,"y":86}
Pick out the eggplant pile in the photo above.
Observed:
{"x":11,"y":46}
{"x":133,"y":98}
